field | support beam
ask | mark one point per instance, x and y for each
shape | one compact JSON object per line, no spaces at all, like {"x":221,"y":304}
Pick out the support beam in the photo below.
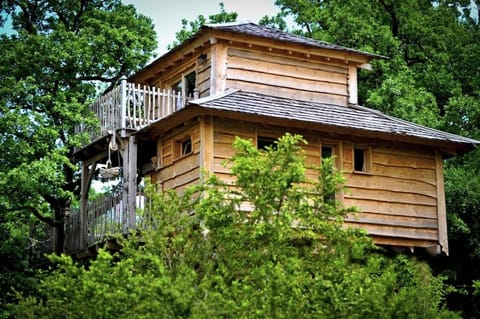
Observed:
{"x":87,"y":176}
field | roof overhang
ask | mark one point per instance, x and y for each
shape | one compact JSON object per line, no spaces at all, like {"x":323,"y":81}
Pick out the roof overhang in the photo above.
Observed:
{"x":221,"y":106}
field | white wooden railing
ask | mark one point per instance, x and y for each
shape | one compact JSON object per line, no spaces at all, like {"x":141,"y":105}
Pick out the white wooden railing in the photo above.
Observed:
{"x":132,"y":106}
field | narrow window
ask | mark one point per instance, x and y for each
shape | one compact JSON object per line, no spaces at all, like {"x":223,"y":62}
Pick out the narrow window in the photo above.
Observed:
{"x":359,"y":160}
{"x":186,"y":147}
{"x":264,"y":142}
{"x":183,"y":147}
{"x":190,"y":80}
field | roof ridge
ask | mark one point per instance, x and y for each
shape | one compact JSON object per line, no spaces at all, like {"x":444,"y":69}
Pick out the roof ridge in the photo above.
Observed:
{"x":228,"y":24}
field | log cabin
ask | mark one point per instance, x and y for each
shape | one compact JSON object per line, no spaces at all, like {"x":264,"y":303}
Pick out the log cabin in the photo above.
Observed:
{"x":180,"y":114}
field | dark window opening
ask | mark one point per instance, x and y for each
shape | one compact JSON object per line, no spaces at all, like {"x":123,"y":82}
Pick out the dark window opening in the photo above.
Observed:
{"x":264,"y":142}
{"x":327,"y":152}
{"x":359,"y":160}
{"x":177,"y":87}
{"x":190,"y":80}
{"x":186,"y":147}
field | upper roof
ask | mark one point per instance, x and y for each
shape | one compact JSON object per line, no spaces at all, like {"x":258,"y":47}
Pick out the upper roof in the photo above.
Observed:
{"x":360,"y":119}
{"x":251,"y":31}
{"x":255,"y":30}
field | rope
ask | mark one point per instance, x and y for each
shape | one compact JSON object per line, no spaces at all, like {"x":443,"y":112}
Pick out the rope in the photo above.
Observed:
{"x":110,"y":172}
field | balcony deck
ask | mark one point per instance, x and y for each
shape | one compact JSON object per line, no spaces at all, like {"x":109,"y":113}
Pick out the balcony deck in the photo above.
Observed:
{"x":106,"y":217}
{"x":131,"y":106}
{"x":121,"y":111}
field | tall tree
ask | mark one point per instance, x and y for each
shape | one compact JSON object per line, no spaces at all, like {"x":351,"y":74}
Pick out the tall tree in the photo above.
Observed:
{"x":51,"y":65}
{"x":432,"y":78}
{"x":189,"y":28}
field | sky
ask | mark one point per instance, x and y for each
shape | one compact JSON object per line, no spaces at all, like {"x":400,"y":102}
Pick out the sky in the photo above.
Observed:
{"x":168,"y":14}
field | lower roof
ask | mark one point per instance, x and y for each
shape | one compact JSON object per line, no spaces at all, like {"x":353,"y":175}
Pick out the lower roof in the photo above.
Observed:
{"x":352,"y":118}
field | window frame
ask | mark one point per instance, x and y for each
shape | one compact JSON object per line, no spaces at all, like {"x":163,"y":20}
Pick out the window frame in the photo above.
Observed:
{"x":179,"y":147}
{"x":366,"y":161}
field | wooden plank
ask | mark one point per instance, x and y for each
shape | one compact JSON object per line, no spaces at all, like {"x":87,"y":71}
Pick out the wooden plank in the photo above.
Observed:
{"x":206,"y":148}
{"x":399,"y":232}
{"x":405,"y":242}
{"x":287,"y":92}
{"x":392,"y":220}
{"x":379,"y":207}
{"x":291,"y":61}
{"x":407,"y":150}
{"x":414,"y":174}
{"x":401,"y":160}
{"x":251,"y":75}
{"x":442,"y":212}
{"x":388,"y":196}
{"x":352,"y":85}
{"x":218,"y":68}
{"x":389,"y":183}
{"x":282,"y":67}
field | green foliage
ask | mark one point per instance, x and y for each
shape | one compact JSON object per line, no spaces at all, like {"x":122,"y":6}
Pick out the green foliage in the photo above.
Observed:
{"x":50,"y":67}
{"x":431,"y":77}
{"x":189,"y":28}
{"x":270,"y":245}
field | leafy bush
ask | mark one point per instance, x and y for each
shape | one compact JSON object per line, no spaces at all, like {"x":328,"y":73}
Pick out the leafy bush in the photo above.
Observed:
{"x":270,"y":245}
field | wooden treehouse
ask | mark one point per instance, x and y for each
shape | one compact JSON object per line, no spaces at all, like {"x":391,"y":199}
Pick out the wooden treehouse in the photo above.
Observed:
{"x":180,"y":114}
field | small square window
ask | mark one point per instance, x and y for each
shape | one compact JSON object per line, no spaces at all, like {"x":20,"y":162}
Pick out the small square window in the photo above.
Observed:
{"x":327,"y":152}
{"x":361,"y":159}
{"x":264,"y":142}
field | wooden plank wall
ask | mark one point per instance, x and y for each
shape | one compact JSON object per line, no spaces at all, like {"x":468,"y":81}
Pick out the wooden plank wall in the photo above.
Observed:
{"x":203,"y":76}
{"x":397,"y":198}
{"x":224,"y":135}
{"x":176,"y":172}
{"x":287,"y":76}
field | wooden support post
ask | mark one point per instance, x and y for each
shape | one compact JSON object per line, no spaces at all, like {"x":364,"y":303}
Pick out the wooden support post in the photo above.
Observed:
{"x":123,"y":107}
{"x":80,"y":238}
{"x":352,"y":85}
{"x":129,"y":192}
{"x":131,"y":166}
{"x":441,"y":209}
{"x":206,"y":144}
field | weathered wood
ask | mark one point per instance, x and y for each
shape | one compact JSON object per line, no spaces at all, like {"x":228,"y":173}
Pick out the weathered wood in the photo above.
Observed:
{"x":285,"y":67}
{"x":394,"y":184}
{"x":442,"y":212}
{"x":206,"y":145}
{"x":379,"y":207}
{"x":296,"y":83}
{"x":392,"y":220}
{"x":291,"y":93}
{"x":352,"y":85}
{"x":293,"y":61}
{"x":131,"y":106}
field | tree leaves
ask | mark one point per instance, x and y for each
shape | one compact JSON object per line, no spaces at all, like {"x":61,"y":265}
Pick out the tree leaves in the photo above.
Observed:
{"x":208,"y":254}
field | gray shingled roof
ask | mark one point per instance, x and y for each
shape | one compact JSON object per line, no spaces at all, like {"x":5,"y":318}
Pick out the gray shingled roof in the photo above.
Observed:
{"x":252,"y":29}
{"x":352,"y":117}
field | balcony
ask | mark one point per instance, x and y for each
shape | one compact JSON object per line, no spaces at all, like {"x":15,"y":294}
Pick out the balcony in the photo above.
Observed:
{"x":131,"y":106}
{"x":106,"y":217}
